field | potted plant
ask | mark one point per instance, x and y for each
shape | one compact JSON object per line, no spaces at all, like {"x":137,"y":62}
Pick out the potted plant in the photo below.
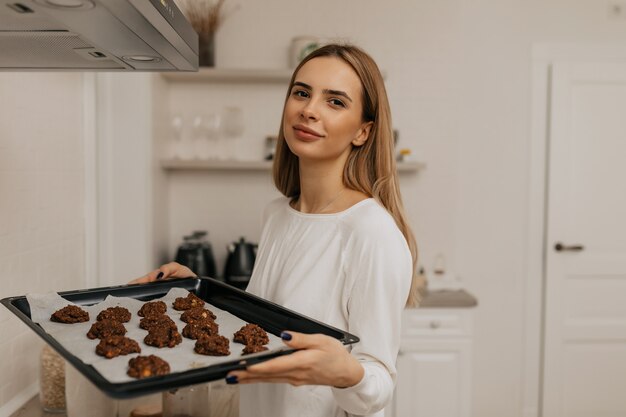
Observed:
{"x":206,"y":17}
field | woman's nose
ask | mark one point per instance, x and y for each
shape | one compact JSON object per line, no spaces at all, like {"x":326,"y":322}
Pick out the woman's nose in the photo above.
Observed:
{"x":309,"y":111}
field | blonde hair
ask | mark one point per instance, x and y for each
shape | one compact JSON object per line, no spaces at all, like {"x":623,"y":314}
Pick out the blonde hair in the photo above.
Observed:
{"x":370,"y":168}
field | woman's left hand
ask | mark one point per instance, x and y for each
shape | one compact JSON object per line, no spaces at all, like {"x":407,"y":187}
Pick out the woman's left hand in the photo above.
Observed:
{"x":321,"y":360}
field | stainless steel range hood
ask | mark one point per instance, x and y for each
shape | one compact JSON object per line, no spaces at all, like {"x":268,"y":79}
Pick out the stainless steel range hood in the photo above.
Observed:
{"x":101,"y":35}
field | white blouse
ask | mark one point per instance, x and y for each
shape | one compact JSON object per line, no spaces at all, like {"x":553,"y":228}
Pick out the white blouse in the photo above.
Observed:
{"x":351,"y":270}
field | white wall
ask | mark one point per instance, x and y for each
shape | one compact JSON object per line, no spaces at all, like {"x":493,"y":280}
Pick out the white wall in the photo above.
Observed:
{"x":459,"y":80}
{"x":41,"y":210}
{"x":132,"y":198}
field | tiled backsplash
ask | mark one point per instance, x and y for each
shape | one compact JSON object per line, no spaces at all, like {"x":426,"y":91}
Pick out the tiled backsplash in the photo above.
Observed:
{"x":41,"y":206}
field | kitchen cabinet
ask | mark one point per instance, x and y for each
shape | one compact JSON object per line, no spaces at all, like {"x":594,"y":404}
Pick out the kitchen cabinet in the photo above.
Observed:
{"x":434,"y":364}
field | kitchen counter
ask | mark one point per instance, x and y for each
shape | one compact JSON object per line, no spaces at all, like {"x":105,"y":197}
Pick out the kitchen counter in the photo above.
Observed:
{"x":33,"y":409}
{"x":447,"y":299}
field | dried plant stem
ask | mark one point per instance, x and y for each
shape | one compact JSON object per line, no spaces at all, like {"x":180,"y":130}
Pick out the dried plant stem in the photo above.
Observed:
{"x":205,"y":16}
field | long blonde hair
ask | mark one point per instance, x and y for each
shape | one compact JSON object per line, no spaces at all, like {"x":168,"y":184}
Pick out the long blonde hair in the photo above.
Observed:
{"x":370,"y":168}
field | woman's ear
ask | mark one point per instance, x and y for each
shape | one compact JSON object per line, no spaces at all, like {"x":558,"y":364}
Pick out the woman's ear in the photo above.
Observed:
{"x":362,"y":134}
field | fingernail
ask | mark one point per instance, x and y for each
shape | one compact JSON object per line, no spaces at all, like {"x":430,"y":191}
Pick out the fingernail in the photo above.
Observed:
{"x":160,"y":275}
{"x":230,"y":380}
{"x":285,"y":336}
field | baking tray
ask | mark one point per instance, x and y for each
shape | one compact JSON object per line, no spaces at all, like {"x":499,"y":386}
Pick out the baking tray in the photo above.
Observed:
{"x":270,"y":316}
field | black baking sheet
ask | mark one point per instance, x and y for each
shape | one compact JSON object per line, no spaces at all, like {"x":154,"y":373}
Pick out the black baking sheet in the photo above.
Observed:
{"x":272,"y":317}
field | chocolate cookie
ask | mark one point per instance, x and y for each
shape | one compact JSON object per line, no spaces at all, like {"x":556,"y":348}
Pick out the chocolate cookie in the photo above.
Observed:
{"x":120,"y":314}
{"x":212,"y":345}
{"x":251,"y":334}
{"x":185,"y":303}
{"x":253,"y":349}
{"x":113,"y":346}
{"x":147,"y":366}
{"x":162,"y":336}
{"x":160,"y":320}
{"x":152,"y":308}
{"x":198,"y":329}
{"x":197,"y":313}
{"x":70,"y":314}
{"x":106,"y":328}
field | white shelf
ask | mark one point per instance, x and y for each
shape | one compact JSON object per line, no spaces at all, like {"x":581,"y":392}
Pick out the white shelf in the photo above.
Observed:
{"x":235,"y":165}
{"x":231,"y":75}
{"x":410,"y":166}
{"x":215,"y":165}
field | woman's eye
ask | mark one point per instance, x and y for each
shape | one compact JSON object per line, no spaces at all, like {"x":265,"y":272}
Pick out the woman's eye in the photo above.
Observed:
{"x":300,"y":93}
{"x":337,"y":102}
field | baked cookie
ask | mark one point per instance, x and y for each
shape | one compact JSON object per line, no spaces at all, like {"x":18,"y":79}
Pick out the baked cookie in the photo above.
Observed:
{"x":70,"y":314}
{"x":212,"y":345}
{"x":253,"y":349}
{"x":197,"y":313}
{"x":120,"y":314}
{"x":198,"y":329}
{"x":147,"y":366}
{"x":251,"y":334}
{"x":152,"y":308}
{"x":160,"y":320}
{"x":106,"y":328}
{"x":163,"y":336}
{"x":113,"y":346}
{"x":185,"y":303}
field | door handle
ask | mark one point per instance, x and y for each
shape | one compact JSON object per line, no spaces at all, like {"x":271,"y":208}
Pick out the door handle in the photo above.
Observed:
{"x":560,"y":247}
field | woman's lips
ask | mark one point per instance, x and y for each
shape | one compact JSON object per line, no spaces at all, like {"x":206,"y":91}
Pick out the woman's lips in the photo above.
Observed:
{"x":306,"y":133}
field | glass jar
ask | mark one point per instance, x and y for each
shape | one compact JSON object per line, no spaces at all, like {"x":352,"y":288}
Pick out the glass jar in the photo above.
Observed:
{"x":84,"y":398}
{"x":190,"y":401}
{"x":51,"y":380}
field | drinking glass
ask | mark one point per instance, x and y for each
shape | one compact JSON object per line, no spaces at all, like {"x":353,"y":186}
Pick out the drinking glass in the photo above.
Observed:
{"x":213,"y":123}
{"x":175,"y":143}
{"x":232,"y":128}
{"x":201,"y":145}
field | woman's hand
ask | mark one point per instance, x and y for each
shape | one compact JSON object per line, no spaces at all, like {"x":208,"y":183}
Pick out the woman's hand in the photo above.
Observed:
{"x":171,"y":270}
{"x":322,"y":360}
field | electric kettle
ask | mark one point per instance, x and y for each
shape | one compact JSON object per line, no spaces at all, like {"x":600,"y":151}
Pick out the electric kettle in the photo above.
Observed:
{"x":239,"y":263}
{"x":197,"y":254}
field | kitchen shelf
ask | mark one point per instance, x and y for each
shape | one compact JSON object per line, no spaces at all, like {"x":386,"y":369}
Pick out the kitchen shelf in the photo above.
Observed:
{"x":235,"y":165}
{"x":215,"y":165}
{"x":232,"y":75}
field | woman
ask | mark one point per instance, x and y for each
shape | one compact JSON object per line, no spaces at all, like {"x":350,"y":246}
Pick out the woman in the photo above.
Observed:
{"x":336,"y":248}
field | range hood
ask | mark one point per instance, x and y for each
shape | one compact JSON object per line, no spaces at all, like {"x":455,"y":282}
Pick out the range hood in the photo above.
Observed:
{"x":100,"y":35}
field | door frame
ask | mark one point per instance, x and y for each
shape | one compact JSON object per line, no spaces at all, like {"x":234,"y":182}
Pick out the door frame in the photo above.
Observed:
{"x":90,"y":187}
{"x":543,"y":57}
{"x":121,"y":164}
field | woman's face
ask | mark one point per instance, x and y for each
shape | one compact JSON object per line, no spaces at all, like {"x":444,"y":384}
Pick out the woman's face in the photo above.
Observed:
{"x":323,"y":113}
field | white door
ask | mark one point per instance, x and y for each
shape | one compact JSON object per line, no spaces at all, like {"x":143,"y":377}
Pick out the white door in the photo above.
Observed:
{"x":585,"y":304}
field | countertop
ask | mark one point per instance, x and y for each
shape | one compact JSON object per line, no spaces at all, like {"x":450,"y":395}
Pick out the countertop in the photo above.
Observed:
{"x":447,"y":299}
{"x":33,"y":409}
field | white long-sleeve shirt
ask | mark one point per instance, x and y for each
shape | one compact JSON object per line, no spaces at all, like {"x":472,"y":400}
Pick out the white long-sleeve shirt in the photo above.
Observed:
{"x":351,"y":270}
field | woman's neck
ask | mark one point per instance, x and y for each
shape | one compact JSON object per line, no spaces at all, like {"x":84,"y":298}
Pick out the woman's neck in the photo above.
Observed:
{"x":321,"y":186}
{"x":322,"y":190}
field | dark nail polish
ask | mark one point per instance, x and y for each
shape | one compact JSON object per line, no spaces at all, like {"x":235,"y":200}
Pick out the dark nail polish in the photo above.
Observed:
{"x":230,"y":380}
{"x":285,"y":336}
{"x":160,"y":275}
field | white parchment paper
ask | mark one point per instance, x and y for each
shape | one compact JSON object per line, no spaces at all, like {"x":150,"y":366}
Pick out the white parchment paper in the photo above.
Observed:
{"x":182,"y":357}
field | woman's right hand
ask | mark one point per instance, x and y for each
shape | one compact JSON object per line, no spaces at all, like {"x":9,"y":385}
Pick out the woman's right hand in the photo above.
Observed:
{"x":170,"y":270}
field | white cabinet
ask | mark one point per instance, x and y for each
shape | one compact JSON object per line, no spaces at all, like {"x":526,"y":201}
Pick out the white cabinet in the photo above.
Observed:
{"x":434,"y":364}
